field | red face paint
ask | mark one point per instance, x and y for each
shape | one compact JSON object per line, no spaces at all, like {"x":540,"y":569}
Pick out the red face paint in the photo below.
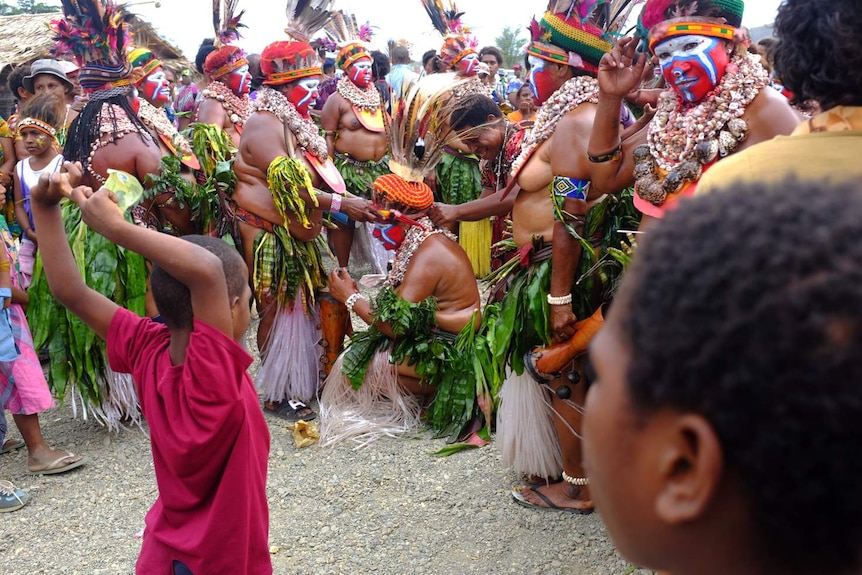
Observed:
{"x":693,"y":65}
{"x":360,"y":73}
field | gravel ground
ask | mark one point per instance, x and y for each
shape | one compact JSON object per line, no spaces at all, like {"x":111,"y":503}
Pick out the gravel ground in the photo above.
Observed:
{"x":390,"y":508}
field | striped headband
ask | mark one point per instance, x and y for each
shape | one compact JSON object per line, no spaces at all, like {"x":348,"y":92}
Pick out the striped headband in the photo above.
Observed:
{"x":665,"y":31}
{"x":38,"y":125}
{"x":291,"y":75}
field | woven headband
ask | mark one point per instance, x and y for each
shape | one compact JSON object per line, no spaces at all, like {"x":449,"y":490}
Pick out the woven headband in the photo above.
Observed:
{"x":663,"y":32}
{"x":38,"y":125}
{"x":560,"y":56}
{"x":349,"y":54}
{"x":288,"y":76}
{"x":228,"y":68}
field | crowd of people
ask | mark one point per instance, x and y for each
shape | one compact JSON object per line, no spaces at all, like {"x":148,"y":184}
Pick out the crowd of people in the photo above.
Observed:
{"x":661,"y":220}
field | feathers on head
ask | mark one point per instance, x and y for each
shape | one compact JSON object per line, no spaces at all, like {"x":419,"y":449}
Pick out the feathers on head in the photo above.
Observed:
{"x":306,"y":17}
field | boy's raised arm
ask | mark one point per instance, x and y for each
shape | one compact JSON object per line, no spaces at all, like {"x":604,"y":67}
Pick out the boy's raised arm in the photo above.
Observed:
{"x":195,"y":267}
{"x":65,"y":280}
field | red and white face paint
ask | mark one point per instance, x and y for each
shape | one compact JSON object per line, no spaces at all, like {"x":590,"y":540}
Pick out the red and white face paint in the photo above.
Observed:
{"x":469,"y":65}
{"x":239,"y":81}
{"x":156,"y":88}
{"x":304,"y":94}
{"x":360,"y":73}
{"x":541,"y":81}
{"x":692,"y":65}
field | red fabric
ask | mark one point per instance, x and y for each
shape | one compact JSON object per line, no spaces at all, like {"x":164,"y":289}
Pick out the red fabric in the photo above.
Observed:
{"x":210,"y":447}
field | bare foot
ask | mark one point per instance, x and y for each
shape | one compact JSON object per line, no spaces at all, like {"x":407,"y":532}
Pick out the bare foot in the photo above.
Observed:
{"x":559,"y":496}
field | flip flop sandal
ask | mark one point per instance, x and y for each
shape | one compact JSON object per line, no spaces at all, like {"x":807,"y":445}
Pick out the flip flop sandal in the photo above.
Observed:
{"x":518,"y":496}
{"x":288,"y":410}
{"x":12,"y":445}
{"x":57,"y":466}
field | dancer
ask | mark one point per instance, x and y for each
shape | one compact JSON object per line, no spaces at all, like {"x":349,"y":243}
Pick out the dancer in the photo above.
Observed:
{"x":353,"y":119}
{"x":421,"y":348}
{"x":281,"y":166}
{"x":562,"y":237}
{"x":715,"y":105}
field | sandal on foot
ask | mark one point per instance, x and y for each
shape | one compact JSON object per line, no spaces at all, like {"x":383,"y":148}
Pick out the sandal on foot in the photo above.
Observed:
{"x":11,"y":445}
{"x":12,"y":498}
{"x":59,"y":465}
{"x":518,"y":496}
{"x":289,"y":411}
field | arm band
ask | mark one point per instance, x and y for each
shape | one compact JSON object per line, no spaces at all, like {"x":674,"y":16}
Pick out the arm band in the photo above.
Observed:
{"x":571,"y":188}
{"x":611,"y":156}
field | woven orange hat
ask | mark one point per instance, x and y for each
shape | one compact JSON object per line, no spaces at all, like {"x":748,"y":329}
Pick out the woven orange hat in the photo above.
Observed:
{"x":396,"y":192}
{"x":285,"y":61}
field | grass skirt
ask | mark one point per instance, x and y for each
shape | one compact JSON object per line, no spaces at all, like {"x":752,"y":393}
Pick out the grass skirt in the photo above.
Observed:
{"x":379,"y":408}
{"x":475,"y":238}
{"x":290,"y":367}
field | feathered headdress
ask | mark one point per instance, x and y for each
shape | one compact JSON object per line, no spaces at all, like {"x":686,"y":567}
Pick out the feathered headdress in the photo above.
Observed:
{"x":420,"y":115}
{"x":287,"y":61}
{"x":579,"y":32}
{"x":306,"y":17}
{"x":662,"y":19}
{"x":343,"y":30}
{"x":226,"y":24}
{"x":94,"y":33}
{"x":458,"y":42}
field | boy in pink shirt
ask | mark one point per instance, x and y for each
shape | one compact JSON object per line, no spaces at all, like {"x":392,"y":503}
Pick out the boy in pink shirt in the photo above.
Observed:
{"x":209,"y":439}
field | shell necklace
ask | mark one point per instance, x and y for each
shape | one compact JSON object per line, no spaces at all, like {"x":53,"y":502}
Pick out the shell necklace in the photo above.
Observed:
{"x":568,"y":97}
{"x":238,"y":109}
{"x":367,"y":99}
{"x":412,"y":242}
{"x":305,"y":131}
{"x":156,"y":119}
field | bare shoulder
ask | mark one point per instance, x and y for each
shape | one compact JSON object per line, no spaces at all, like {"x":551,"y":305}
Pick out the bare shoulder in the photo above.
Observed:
{"x":579,"y":121}
{"x":440,"y":254}
{"x":770,"y":115}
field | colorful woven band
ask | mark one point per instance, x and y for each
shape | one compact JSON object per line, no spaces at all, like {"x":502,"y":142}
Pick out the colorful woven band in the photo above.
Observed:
{"x":462,"y":55}
{"x":36,"y":124}
{"x":414,"y":195}
{"x":585,"y":40}
{"x":228,"y":68}
{"x":557,"y":56}
{"x":95,"y":75}
{"x":349,"y":54}
{"x":278,"y":78}
{"x":663,"y":32}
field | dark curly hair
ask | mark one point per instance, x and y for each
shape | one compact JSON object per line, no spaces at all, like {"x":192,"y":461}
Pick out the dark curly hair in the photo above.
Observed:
{"x":206,"y":48}
{"x":745,"y":307}
{"x":15,"y":80}
{"x":819,"y":54}
{"x":173,"y":299}
{"x":493,"y":51}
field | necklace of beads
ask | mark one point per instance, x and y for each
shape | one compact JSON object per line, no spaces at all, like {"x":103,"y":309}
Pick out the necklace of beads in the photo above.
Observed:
{"x":238,"y":109}
{"x":682,"y":138}
{"x":570,"y":95}
{"x":412,"y":241}
{"x":367,"y":99}
{"x":307,"y":135}
{"x":115,"y":124}
{"x":156,"y":119}
{"x":472,"y":85}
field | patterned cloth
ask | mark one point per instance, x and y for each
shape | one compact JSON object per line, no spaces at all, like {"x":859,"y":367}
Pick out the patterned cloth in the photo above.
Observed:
{"x":23,"y":388}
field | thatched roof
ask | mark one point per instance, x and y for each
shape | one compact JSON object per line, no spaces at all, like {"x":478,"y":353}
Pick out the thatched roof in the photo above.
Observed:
{"x":26,"y":37}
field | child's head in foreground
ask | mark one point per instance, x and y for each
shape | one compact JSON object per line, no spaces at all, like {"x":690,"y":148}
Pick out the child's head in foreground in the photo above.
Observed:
{"x":173,"y":299}
{"x":723,"y":430}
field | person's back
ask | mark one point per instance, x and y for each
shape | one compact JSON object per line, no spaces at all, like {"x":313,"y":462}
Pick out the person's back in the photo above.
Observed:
{"x":209,"y":440}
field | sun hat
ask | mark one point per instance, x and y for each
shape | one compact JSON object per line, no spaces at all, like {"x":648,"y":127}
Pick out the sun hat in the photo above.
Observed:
{"x":45,"y":66}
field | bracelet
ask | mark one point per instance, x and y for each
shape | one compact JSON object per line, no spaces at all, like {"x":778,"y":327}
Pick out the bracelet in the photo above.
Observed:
{"x":579,"y":481}
{"x":351,"y":301}
{"x":562,"y":300}
{"x":611,"y":156}
{"x":335,"y":206}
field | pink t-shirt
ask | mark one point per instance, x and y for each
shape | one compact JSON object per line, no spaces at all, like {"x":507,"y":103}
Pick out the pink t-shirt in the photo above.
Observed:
{"x":210,"y":447}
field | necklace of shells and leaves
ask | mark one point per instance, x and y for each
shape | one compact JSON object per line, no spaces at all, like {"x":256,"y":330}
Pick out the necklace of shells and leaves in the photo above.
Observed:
{"x":307,"y":135}
{"x":156,"y":119}
{"x":238,"y":109}
{"x":367,"y":99}
{"x":683,"y":138}
{"x":568,"y":97}
{"x":412,"y":241}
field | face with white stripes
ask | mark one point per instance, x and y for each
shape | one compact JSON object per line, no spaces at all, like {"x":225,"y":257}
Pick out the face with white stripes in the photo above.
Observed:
{"x":693,"y":65}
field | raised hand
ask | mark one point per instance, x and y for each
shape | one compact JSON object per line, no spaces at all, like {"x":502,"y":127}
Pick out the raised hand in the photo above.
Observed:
{"x":621,"y":70}
{"x":341,"y":285}
{"x":100,"y":210}
{"x":443,"y":215}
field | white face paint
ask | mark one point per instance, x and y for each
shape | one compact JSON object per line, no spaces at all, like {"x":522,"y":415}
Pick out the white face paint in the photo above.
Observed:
{"x":304,"y":94}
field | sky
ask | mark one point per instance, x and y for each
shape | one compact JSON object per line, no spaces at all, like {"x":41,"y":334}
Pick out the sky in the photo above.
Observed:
{"x":186,"y":22}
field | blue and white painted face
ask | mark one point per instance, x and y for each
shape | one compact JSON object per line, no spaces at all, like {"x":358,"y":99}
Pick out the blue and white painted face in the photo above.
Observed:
{"x":692,"y":65}
{"x":239,"y":81}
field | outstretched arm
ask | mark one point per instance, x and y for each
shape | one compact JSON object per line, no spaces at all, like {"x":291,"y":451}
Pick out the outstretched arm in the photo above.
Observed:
{"x":490,"y":204}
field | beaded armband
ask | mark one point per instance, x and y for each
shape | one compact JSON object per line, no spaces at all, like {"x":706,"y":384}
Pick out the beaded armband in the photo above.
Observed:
{"x":571,"y":188}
